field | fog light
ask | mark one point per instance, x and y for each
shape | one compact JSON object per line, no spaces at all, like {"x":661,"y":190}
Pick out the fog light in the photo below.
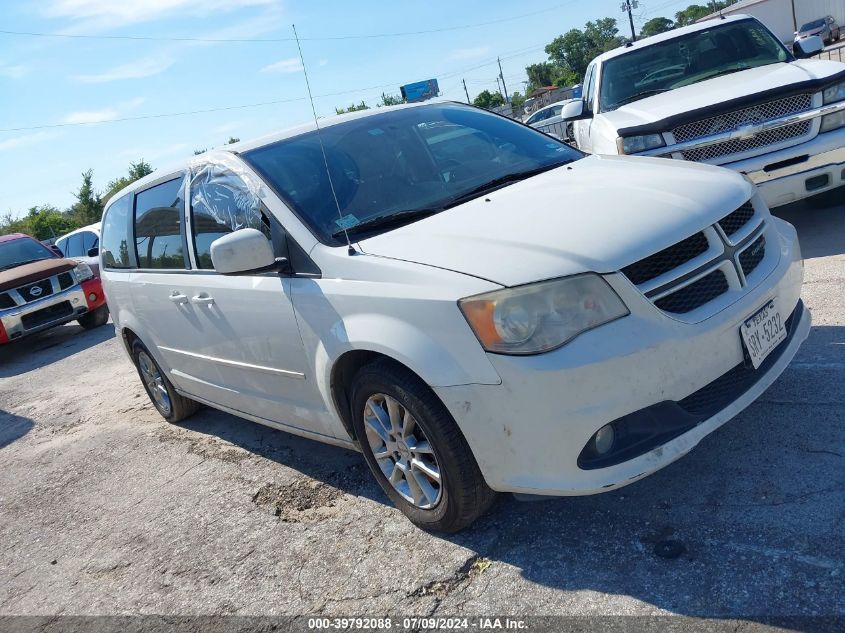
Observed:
{"x":92,"y":297}
{"x":604,"y":439}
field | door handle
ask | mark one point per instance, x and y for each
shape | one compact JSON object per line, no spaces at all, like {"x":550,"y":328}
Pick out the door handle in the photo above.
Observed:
{"x":178,"y":298}
{"x":202,"y":299}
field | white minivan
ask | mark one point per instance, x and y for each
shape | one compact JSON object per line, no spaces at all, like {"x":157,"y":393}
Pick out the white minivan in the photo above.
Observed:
{"x":474,"y":305}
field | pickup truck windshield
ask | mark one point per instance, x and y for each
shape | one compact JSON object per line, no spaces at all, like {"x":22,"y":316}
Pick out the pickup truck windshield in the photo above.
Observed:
{"x":686,"y":60}
{"x":23,"y":251}
{"x":402,"y":165}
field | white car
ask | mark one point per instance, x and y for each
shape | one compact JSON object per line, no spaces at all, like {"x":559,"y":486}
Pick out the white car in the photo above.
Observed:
{"x":83,"y":246}
{"x":724,"y":92}
{"x":549,"y":119}
{"x":474,"y":305}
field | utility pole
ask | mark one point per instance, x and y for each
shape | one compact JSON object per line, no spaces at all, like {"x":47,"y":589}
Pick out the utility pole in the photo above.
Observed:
{"x":498,"y":85}
{"x":627,"y":6}
{"x":465,"y":89}
{"x":794,"y":17}
{"x":501,"y":74}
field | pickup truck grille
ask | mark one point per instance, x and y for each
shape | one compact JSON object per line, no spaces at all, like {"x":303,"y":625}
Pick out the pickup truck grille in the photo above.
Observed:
{"x":733,"y":120}
{"x":35,"y":290}
{"x":701,"y":268}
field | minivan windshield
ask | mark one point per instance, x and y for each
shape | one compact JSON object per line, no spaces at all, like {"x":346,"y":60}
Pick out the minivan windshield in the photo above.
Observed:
{"x":685,"y":60}
{"x":402,"y":165}
{"x":22,"y":251}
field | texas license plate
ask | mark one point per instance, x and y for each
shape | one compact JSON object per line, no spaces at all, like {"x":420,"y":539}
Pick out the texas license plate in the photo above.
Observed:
{"x":762,"y":332}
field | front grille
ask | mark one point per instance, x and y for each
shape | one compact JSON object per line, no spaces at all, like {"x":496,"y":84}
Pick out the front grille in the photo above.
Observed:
{"x":66,"y":281}
{"x":756,"y":114}
{"x":6,"y":301}
{"x":36,"y":291}
{"x":695,"y":295}
{"x":46,"y":315}
{"x":717,"y":395}
{"x":751,"y":257}
{"x":668,"y":259}
{"x":735,"y":221}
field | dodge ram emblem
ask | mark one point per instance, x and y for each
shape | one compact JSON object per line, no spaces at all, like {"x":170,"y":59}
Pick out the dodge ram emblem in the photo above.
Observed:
{"x":35,"y":291}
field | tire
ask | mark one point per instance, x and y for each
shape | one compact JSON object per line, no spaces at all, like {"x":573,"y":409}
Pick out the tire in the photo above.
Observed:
{"x":96,"y":318}
{"x":173,"y":408}
{"x":462,"y":495}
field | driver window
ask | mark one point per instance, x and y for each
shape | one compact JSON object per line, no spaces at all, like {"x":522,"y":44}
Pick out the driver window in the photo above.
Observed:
{"x":221,"y":203}
{"x":589,"y":85}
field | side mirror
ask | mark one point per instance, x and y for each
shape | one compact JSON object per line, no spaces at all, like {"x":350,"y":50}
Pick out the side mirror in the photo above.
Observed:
{"x":94,"y":252}
{"x":56,"y":250}
{"x":808,"y":47}
{"x":243,"y":251}
{"x":574,"y":111}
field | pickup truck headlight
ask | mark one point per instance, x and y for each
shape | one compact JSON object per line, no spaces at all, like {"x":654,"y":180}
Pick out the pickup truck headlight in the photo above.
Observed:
{"x":637,"y":144}
{"x":542,"y":316}
{"x":836,"y":120}
{"x":82,"y":271}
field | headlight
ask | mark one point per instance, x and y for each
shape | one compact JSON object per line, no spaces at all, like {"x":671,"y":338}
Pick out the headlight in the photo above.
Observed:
{"x":834,"y":93}
{"x":542,"y":316}
{"x":637,"y":144}
{"x":82,"y":271}
{"x":833,"y":121}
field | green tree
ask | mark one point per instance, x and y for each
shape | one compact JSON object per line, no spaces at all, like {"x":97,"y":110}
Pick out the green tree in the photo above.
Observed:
{"x":517,"y":100}
{"x":232,"y":139}
{"x":88,"y":207}
{"x":46,"y":221}
{"x":695,"y":12}
{"x":487,"y":99}
{"x":575,"y":49}
{"x":389,"y":100}
{"x":656,"y":26}
{"x":542,"y":74}
{"x":352,"y":108}
{"x":135,"y":172}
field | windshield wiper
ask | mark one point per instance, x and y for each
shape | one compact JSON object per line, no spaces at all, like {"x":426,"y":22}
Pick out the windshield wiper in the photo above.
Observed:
{"x":389,"y":219}
{"x":641,"y":95}
{"x":501,"y":181}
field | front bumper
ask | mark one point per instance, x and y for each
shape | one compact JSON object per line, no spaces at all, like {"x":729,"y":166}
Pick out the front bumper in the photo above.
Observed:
{"x":798,"y":172}
{"x":51,"y":311}
{"x":528,"y":432}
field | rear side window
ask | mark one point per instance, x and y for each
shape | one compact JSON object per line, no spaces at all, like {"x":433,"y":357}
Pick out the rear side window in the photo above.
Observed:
{"x":159,"y":230}
{"x":117,"y":234}
{"x":89,"y":241}
{"x":73,"y":246}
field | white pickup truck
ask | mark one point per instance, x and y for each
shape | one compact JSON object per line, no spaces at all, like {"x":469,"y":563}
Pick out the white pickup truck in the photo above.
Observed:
{"x":724,"y":92}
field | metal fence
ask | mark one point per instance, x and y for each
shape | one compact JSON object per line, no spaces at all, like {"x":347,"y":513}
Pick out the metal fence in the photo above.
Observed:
{"x":558,"y":129}
{"x":834,"y":54}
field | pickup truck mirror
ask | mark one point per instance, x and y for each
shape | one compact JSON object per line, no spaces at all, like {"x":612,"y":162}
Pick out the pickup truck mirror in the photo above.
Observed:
{"x":808,"y":47}
{"x":243,"y":251}
{"x":94,"y":252}
{"x":56,"y":250}
{"x":574,"y":111}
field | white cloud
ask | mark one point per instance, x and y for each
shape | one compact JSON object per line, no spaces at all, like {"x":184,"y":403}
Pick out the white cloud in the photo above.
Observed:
{"x":115,"y":13}
{"x":133,"y":70}
{"x":91,"y":116}
{"x":469,"y":53}
{"x":26,"y":139}
{"x":13,"y":71}
{"x":290,"y":65}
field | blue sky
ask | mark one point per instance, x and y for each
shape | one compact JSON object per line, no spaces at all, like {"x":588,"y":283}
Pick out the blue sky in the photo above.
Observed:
{"x":47,"y":81}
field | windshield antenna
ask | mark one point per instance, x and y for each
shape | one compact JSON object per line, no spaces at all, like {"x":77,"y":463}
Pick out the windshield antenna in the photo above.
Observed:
{"x":322,"y":147}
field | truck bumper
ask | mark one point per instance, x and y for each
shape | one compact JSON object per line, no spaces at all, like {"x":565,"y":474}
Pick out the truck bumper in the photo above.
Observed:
{"x":798,"y":172}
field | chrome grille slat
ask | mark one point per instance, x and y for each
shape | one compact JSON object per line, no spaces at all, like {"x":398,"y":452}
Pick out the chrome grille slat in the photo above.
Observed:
{"x":732,"y":120}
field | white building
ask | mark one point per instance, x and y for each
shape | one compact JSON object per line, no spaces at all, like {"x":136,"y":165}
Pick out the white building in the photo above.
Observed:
{"x":784,"y":17}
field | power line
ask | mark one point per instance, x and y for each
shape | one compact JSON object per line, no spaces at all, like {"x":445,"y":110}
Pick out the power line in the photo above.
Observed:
{"x":155,"y":38}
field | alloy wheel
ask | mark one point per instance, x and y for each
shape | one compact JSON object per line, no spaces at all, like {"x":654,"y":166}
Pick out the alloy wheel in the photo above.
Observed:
{"x":154,"y":382}
{"x":402,"y":451}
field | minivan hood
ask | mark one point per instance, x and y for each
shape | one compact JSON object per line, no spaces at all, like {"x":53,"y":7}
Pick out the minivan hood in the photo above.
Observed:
{"x":712,"y":91}
{"x":597,"y":214}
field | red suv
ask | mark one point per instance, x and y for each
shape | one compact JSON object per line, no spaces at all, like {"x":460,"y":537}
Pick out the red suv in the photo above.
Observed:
{"x":40,"y":289}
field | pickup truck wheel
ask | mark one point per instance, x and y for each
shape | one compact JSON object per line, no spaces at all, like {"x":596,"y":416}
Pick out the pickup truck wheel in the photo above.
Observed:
{"x":96,"y":318}
{"x":171,"y":406}
{"x":415,"y":450}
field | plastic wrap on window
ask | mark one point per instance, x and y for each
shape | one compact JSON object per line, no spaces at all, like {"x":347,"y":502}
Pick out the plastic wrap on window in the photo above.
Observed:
{"x":228,"y":194}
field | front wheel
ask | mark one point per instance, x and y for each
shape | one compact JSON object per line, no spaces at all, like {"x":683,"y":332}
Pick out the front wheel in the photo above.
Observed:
{"x":415,"y":450}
